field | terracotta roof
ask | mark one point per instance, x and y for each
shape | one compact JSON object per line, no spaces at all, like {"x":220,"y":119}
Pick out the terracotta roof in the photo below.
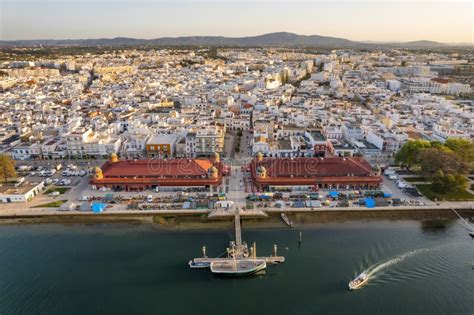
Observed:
{"x":316,"y":167}
{"x":440,"y":80}
{"x":157,"y":168}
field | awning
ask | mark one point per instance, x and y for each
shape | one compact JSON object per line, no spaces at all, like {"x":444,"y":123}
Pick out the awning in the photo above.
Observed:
{"x":369,"y":203}
{"x":98,"y":207}
{"x":333,"y":194}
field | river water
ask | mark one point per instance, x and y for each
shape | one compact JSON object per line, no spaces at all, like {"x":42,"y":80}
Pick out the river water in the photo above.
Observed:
{"x":415,"y":268}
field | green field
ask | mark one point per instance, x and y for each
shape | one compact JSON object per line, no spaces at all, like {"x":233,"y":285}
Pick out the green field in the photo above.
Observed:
{"x":414,"y":179}
{"x":61,"y":190}
{"x":54,"y":204}
{"x":461,"y":195}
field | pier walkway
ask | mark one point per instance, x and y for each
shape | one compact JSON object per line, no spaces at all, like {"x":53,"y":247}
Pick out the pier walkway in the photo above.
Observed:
{"x":238,"y":227}
{"x":240,"y":251}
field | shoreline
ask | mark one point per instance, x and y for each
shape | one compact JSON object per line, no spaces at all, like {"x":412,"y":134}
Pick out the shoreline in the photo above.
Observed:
{"x":185,"y":221}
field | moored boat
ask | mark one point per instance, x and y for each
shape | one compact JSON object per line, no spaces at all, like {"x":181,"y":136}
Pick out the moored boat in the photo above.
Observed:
{"x":359,"y":281}
{"x":198,"y":264}
{"x":286,"y":219}
{"x":237,"y":267}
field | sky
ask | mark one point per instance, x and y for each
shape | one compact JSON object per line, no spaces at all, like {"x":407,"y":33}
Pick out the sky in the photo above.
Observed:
{"x":449,"y":21}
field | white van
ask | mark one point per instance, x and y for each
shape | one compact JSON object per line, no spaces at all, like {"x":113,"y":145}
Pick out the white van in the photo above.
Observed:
{"x":224,"y":204}
{"x":389,"y":172}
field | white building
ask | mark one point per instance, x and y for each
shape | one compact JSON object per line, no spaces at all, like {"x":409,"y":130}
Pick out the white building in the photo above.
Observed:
{"x":20,"y":192}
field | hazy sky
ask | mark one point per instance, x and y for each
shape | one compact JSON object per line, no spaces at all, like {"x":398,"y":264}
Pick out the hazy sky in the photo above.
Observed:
{"x":377,"y":20}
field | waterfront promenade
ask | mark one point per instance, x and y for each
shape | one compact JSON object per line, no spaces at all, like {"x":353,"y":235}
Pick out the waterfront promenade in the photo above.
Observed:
{"x":215,"y":214}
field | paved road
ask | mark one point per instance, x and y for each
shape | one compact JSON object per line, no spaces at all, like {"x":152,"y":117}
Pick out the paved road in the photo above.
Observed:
{"x":391,"y":187}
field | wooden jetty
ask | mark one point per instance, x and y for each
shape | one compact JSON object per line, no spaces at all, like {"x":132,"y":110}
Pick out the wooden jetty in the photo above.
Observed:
{"x":238,"y":250}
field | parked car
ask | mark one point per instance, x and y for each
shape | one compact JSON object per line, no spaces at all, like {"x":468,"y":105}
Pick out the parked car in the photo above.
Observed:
{"x":401,"y":184}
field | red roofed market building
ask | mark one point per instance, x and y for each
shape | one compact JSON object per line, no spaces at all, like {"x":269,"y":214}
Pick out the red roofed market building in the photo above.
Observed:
{"x":138,"y":175}
{"x":273,"y":174}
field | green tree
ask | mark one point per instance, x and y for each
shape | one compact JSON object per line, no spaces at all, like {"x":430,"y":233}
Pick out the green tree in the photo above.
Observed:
{"x":407,"y":155}
{"x":7,"y":167}
{"x":463,"y":148}
{"x":449,"y":183}
{"x":432,"y":161}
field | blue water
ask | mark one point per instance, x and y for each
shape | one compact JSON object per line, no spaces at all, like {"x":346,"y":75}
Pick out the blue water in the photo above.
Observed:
{"x":142,"y":269}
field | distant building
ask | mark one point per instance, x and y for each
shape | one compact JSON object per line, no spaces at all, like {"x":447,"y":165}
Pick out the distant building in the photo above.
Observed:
{"x":6,"y":84}
{"x":441,"y":133}
{"x":205,"y":141}
{"x":162,"y":145}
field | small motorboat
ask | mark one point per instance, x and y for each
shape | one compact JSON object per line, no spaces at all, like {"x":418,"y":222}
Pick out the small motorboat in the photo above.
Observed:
{"x":472,"y":234}
{"x":198,"y":264}
{"x":359,"y":281}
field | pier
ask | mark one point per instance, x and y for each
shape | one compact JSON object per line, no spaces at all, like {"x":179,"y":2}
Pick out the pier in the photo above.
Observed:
{"x":238,"y":227}
{"x":238,"y":250}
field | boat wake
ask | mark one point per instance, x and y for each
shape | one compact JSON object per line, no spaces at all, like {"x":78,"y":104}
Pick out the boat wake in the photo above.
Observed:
{"x":373,"y":270}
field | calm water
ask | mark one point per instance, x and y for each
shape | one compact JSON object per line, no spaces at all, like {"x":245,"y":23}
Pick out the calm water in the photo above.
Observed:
{"x":125,"y":269}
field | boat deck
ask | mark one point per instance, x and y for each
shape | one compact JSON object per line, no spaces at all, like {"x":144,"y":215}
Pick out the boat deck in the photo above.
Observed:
{"x":273,"y":260}
{"x":240,"y":253}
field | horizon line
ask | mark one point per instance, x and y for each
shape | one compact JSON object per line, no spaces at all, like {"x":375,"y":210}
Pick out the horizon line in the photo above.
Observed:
{"x":236,"y":37}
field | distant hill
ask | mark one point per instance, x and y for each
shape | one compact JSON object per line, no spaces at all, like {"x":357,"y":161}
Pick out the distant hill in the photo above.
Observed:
{"x":272,"y":39}
{"x":419,"y":44}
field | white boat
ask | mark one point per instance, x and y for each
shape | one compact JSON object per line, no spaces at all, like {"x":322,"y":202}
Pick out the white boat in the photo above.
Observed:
{"x":198,"y":264}
{"x":359,"y":281}
{"x":286,"y":219}
{"x":238,"y":267}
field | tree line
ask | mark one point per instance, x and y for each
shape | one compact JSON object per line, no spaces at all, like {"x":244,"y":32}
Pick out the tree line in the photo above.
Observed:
{"x":446,"y":165}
